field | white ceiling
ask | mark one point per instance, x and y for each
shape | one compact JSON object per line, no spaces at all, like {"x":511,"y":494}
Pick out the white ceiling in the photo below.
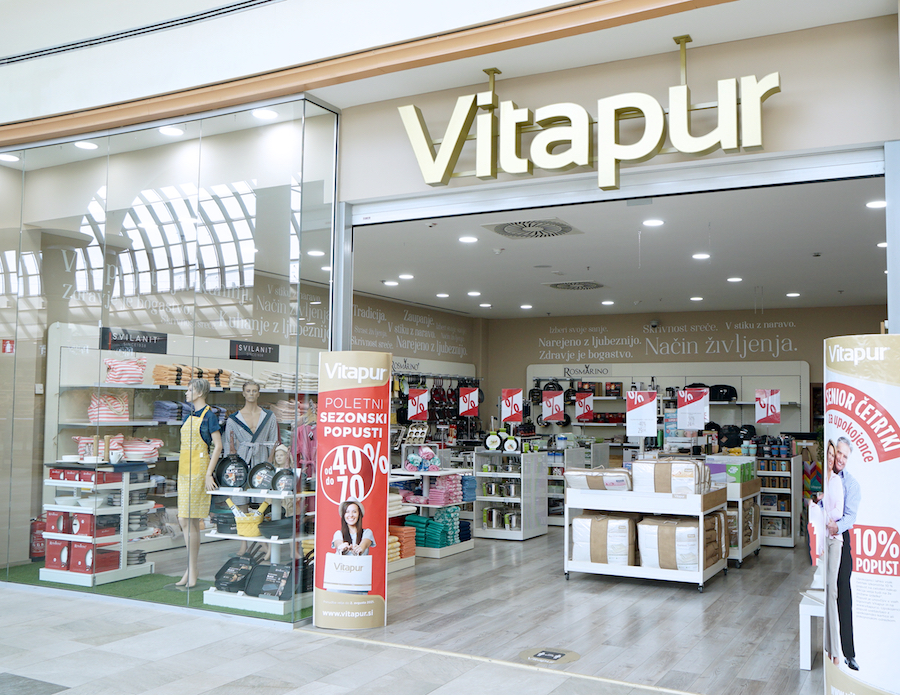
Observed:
{"x":767,"y":236}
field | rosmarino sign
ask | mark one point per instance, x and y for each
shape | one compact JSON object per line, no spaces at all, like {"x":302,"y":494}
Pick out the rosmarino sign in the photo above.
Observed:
{"x":498,"y":131}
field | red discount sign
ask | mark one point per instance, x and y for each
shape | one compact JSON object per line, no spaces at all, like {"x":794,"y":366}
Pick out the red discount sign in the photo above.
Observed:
{"x":552,"y":406}
{"x":511,"y":409}
{"x":876,"y":550}
{"x":418,"y":404}
{"x":347,"y":471}
{"x":468,"y":401}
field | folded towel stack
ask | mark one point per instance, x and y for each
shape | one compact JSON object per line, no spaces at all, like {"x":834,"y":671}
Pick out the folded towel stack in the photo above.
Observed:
{"x":465,"y":530}
{"x":393,"y":549}
{"x":395,"y":503}
{"x":446,"y":490}
{"x":167,"y":410}
{"x":431,"y":533}
{"x":469,"y":486}
{"x":238,"y":379}
{"x":449,"y":517}
{"x":406,"y":536}
{"x":308,"y":544}
{"x":181,"y":374}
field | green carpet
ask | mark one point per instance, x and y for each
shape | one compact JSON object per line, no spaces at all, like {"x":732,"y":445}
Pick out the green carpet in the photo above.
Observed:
{"x":147,"y":587}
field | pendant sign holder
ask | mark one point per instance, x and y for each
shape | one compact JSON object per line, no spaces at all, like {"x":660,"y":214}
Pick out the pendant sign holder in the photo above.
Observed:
{"x":584,"y":407}
{"x":552,"y":406}
{"x":418,"y":404}
{"x":640,"y":414}
{"x":511,"y":405}
{"x":468,"y":401}
{"x":693,"y":409}
{"x":768,"y":406}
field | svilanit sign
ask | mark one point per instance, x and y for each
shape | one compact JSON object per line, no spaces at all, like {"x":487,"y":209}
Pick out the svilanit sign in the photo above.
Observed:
{"x":565,"y":135}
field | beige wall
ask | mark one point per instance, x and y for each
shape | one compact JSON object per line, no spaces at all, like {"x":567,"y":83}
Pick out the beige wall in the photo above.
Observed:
{"x":715,"y":336}
{"x":839,"y":87}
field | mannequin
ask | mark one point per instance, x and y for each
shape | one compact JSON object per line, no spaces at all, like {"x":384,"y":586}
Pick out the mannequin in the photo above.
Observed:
{"x":199,"y":431}
{"x":251,"y":433}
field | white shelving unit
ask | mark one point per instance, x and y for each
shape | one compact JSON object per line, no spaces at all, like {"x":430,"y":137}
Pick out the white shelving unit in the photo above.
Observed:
{"x":530,"y":504}
{"x":645,"y":503}
{"x":743,"y":494}
{"x":793,"y":494}
{"x":123,"y":541}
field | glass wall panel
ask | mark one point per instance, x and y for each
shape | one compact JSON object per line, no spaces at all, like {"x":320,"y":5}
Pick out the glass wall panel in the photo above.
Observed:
{"x":161,"y":255}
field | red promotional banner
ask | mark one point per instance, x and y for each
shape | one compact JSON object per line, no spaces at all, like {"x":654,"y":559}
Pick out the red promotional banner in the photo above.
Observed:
{"x":640,"y":413}
{"x":552,"y":406}
{"x":768,"y":406}
{"x":584,"y":407}
{"x":351,"y":490}
{"x":418,"y":404}
{"x":869,"y":423}
{"x":511,"y":405}
{"x":468,"y":401}
{"x":693,"y":409}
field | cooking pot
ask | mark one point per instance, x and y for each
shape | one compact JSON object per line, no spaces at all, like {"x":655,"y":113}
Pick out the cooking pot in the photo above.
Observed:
{"x":511,"y":520}
{"x":492,"y":517}
{"x":510,"y":489}
{"x":491,"y":489}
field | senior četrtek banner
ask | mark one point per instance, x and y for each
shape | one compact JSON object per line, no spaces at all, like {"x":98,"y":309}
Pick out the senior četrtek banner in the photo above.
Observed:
{"x":862,"y":516}
{"x":352,"y":466}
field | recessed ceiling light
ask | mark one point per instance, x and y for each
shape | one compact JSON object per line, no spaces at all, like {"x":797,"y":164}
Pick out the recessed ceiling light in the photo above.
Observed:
{"x":792,"y":294}
{"x":735,"y":279}
{"x":608,"y":302}
{"x":882,"y":245}
{"x":406,"y":276}
{"x":474,"y":294}
{"x":315,"y":253}
{"x":171,"y":131}
{"x":85,"y":145}
{"x":468,"y":239}
{"x":525,"y":306}
{"x":265,"y":114}
{"x":326,"y":268}
{"x":653,"y":223}
{"x":390,"y":283}
{"x":876,"y":204}
{"x":543,"y":266}
{"x":442,"y":295}
{"x":8,"y":158}
{"x":696,"y":299}
{"x":700,"y":256}
{"x":485,"y":306}
{"x":311,"y":303}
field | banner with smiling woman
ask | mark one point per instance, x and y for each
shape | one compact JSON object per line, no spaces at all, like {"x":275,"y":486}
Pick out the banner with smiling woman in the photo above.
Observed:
{"x":351,"y":490}
{"x":862,"y":517}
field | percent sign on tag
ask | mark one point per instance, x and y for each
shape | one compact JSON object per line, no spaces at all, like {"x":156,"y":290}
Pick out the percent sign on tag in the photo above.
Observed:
{"x":512,"y":405}
{"x":468,"y":401}
{"x":418,"y":404}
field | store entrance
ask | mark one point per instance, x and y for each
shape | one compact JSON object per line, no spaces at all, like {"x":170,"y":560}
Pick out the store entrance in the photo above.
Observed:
{"x":734,"y":287}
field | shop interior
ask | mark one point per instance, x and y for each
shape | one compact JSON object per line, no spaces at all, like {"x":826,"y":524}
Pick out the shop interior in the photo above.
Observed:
{"x":196,"y":247}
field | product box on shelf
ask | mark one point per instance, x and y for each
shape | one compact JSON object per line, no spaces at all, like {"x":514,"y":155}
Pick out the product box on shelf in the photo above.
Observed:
{"x":72,"y":474}
{"x":84,"y":525}
{"x":58,"y":522}
{"x":99,"y":477}
{"x":776,"y":527}
{"x":604,"y":539}
{"x":57,"y":554}
{"x":768,"y":502}
{"x":742,"y":490}
{"x":57,"y":474}
{"x":90,"y":559}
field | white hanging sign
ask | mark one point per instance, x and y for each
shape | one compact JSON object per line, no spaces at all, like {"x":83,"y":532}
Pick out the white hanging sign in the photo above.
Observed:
{"x":640,"y":413}
{"x":511,"y":405}
{"x":552,"y":406}
{"x":418,"y":404}
{"x":768,"y":406}
{"x":468,"y":401}
{"x":584,"y":407}
{"x":693,"y":409}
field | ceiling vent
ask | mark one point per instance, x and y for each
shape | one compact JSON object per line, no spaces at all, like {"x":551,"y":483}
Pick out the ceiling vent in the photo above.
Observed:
{"x":573,"y":285}
{"x":533,"y":229}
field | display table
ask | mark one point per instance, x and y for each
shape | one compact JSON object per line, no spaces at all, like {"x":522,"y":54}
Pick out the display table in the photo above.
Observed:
{"x":809,"y":610}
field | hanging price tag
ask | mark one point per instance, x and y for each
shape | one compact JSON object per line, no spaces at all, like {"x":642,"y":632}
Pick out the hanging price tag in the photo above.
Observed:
{"x":418,"y":404}
{"x":768,"y":406}
{"x":468,"y":401}
{"x":552,"y":406}
{"x":693,"y":409}
{"x":640,"y":414}
{"x":511,"y":405}
{"x":584,"y":407}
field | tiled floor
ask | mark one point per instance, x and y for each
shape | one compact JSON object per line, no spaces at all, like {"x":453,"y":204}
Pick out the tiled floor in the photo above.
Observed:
{"x":59,"y":642}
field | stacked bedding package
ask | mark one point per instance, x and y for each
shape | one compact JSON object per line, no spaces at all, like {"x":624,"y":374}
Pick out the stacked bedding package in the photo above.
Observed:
{"x":715,"y":537}
{"x":670,"y":543}
{"x":609,"y":539}
{"x":673,"y":476}
{"x":616,"y":479}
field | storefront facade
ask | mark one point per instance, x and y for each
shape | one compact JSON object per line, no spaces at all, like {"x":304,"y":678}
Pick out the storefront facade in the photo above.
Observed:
{"x":242,"y":230}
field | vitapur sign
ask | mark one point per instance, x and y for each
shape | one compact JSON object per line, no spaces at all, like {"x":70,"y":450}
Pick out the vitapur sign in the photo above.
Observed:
{"x":499,"y":127}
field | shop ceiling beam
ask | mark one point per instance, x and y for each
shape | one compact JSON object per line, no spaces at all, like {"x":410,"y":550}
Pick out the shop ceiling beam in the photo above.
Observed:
{"x":555,"y":24}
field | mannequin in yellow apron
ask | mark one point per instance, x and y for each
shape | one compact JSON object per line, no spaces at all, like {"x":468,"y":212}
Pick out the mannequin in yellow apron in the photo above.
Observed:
{"x":195,"y":474}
